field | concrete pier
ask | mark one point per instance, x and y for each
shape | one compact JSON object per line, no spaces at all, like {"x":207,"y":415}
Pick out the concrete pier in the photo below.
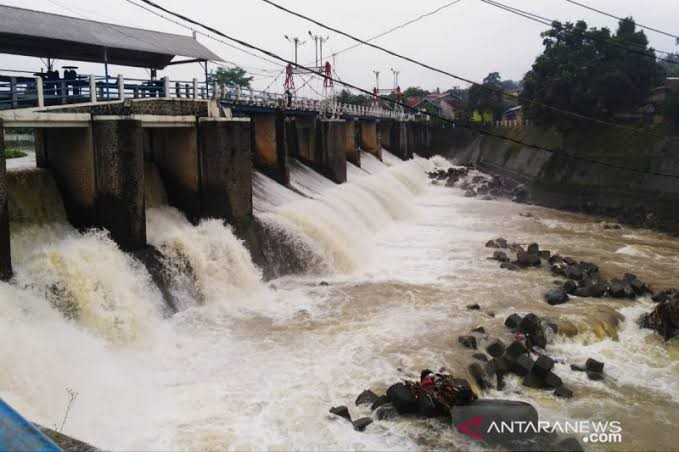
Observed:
{"x":350,"y":143}
{"x":320,"y":144}
{"x":399,"y":140}
{"x":119,"y":171}
{"x":369,"y":138}
{"x":269,"y":145}
{"x":174,"y":150}
{"x":5,"y":256}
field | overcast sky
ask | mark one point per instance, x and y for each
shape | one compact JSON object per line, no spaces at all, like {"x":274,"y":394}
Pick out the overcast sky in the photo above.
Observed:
{"x":470,"y":38}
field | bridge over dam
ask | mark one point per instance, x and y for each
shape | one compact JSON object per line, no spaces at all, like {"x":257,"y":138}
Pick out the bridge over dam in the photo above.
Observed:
{"x":99,"y":154}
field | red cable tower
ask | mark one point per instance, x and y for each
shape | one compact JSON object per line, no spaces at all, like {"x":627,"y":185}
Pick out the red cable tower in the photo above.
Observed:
{"x":328,"y":81}
{"x":289,"y":79}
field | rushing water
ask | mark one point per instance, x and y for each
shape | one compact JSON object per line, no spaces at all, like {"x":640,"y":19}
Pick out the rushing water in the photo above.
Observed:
{"x":248,"y":364}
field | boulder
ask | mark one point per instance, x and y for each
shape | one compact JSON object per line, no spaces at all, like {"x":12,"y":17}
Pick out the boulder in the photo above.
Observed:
{"x":491,"y":244}
{"x":480,"y":376}
{"x":512,"y":322}
{"x":501,"y":243}
{"x":595,"y":375}
{"x":474,"y":307}
{"x":470,"y":193}
{"x":402,"y":398}
{"x":381,"y":400}
{"x":341,"y":411}
{"x":515,"y":350}
{"x":530,"y":324}
{"x":621,"y":289}
{"x":496,"y":348}
{"x":556,"y":296}
{"x":573,"y":272}
{"x":545,"y":254}
{"x":593,"y":288}
{"x":638,"y":286}
{"x":362,"y":423}
{"x":570,"y":286}
{"x":427,"y":407}
{"x":480,"y":357}
{"x":533,"y":381}
{"x":522,"y":365}
{"x":594,"y":365}
{"x":552,"y":380}
{"x":665,"y":295}
{"x":386,"y":412}
{"x":563,"y":392}
{"x":664,"y":318}
{"x":526,"y":259}
{"x":578,"y":368}
{"x":537,"y":339}
{"x":467,"y":341}
{"x":533,"y":248}
{"x":543,"y":365}
{"x":367,"y":397}
{"x":500,"y":256}
{"x":479,"y":329}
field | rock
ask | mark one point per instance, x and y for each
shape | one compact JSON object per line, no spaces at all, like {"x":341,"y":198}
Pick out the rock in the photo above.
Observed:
{"x":494,"y":411}
{"x":537,"y":339}
{"x":573,"y":272}
{"x":665,"y":295}
{"x":595,"y":375}
{"x":490,"y":314}
{"x":480,"y":376}
{"x":474,"y":307}
{"x":570,"y":286}
{"x":552,"y":380}
{"x":367,"y":397}
{"x":520,"y":194}
{"x":592,"y":288}
{"x":612,"y":226}
{"x":479,"y":329}
{"x":594,"y":365}
{"x":578,"y":368}
{"x":570,"y":445}
{"x":530,"y":324}
{"x":427,"y":407}
{"x":341,"y":411}
{"x":570,"y":261}
{"x":515,"y":247}
{"x":543,"y":365}
{"x":65,"y":442}
{"x":526,"y":214}
{"x":664,"y":318}
{"x":522,"y":365}
{"x":470,"y":193}
{"x":555,"y":259}
{"x":491,"y":244}
{"x":324,"y":283}
{"x":381,"y":400}
{"x":638,"y":286}
{"x":362,"y":423}
{"x":544,"y":254}
{"x":402,"y":398}
{"x":563,"y":392}
{"x":501,"y":243}
{"x":621,"y":289}
{"x":481,"y":357}
{"x":386,"y":412}
{"x":496,"y":348}
{"x":512,"y":322}
{"x":467,"y":341}
{"x":526,"y":259}
{"x":463,"y":392}
{"x":556,"y":296}
{"x":515,"y":350}
{"x":533,"y":381}
{"x":533,"y":248}
{"x":500,"y":256}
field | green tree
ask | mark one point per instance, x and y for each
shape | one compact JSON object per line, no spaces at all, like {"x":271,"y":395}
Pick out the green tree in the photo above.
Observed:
{"x":588,"y":71}
{"x":414,"y":91}
{"x":234,"y":76}
{"x":487,"y":98}
{"x":346,"y":97}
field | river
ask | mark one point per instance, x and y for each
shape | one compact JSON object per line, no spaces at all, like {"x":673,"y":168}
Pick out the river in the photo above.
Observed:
{"x":392,"y":262}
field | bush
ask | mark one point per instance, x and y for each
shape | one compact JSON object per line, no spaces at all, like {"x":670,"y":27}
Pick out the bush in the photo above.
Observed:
{"x":14,"y":153}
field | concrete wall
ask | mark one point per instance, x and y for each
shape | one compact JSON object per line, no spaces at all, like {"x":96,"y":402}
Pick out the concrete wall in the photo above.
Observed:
{"x":5,"y":257}
{"x":175,"y":107}
{"x":119,"y":170}
{"x":320,"y":143}
{"x":68,"y":153}
{"x":269,"y":145}
{"x":399,"y":143}
{"x":369,"y":137}
{"x":174,"y":150}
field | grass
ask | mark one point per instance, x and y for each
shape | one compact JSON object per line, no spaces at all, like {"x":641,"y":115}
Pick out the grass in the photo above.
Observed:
{"x":14,"y":153}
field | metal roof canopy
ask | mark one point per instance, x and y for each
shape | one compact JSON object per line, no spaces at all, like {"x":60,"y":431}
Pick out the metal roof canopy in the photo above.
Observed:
{"x":46,"y":35}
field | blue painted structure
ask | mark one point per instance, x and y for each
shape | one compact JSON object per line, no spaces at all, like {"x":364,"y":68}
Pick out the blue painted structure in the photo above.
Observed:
{"x":16,"y":433}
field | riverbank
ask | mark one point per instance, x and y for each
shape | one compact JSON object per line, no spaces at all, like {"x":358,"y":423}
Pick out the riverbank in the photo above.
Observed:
{"x":618,"y":174}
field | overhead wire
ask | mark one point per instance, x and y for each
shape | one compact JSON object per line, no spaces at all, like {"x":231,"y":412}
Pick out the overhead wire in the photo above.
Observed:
{"x":494,"y":89}
{"x":407,"y":107}
{"x":671,"y":35}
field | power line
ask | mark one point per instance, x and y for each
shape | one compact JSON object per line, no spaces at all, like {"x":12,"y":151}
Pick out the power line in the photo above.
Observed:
{"x":546,"y":21}
{"x":463,"y":79}
{"x":405,"y":106}
{"x":619,"y":18}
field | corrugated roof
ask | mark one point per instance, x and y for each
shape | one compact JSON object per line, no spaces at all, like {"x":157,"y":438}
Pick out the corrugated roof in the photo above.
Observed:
{"x":36,"y":33}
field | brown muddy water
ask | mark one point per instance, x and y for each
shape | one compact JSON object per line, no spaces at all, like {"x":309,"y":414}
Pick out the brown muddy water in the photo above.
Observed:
{"x":256,"y":365}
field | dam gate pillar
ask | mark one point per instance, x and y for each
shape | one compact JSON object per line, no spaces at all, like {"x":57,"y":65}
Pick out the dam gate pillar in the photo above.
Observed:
{"x":269,"y":145}
{"x":369,"y":137}
{"x":5,"y":251}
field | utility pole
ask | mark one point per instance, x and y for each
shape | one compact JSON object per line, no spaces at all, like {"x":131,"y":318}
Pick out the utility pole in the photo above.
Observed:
{"x":296,"y":42}
{"x":377,"y":80}
{"x":395,"y":72}
{"x":319,"y":40}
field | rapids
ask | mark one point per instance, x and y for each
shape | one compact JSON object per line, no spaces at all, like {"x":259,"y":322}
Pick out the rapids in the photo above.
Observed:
{"x":251,"y":364}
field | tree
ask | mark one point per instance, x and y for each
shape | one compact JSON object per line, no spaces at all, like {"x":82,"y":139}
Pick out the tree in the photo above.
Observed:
{"x":234,"y":76}
{"x":346,"y":97}
{"x":590,"y":72}
{"x":414,"y":91}
{"x":487,"y":98}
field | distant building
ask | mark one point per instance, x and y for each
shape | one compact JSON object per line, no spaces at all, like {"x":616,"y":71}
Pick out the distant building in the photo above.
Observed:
{"x":445,"y":104}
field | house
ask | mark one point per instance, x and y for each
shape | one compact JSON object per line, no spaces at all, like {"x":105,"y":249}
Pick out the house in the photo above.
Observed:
{"x":442,"y":104}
